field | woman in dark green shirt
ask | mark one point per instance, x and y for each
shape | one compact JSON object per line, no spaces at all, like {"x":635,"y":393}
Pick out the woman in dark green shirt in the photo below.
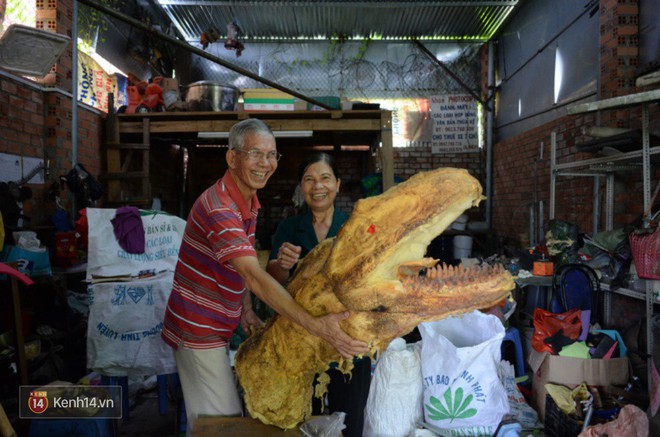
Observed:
{"x":294,"y":238}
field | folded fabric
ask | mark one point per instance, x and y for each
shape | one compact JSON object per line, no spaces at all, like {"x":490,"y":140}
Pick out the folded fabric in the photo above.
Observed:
{"x":579,"y":349}
{"x":128,"y":229}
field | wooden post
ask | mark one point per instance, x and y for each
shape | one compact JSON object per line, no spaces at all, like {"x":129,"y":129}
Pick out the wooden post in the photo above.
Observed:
{"x":146,"y":183}
{"x":113,"y":155}
{"x":386,"y":151}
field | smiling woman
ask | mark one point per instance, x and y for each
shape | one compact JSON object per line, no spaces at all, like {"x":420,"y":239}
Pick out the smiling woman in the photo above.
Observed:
{"x":294,"y":239}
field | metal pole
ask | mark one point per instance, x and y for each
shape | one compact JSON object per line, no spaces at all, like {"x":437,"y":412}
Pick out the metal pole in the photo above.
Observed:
{"x":199,"y":52}
{"x":74,"y":86}
{"x":489,"y":134}
{"x":448,"y":71}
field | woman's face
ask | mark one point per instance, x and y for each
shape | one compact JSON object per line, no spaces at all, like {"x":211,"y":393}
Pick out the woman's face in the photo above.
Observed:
{"x":319,"y":186}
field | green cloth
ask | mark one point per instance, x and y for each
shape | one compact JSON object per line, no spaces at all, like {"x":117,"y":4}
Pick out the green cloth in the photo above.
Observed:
{"x":299,"y":230}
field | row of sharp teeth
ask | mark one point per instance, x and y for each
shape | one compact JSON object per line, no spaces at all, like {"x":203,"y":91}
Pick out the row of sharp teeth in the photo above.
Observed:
{"x":453,"y":276}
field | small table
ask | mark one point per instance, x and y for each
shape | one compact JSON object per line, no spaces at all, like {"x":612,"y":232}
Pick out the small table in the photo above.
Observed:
{"x":210,"y":426}
{"x":543,"y":282}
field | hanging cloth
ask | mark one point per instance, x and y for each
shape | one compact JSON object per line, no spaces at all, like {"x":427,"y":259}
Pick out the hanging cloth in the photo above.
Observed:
{"x":128,"y":229}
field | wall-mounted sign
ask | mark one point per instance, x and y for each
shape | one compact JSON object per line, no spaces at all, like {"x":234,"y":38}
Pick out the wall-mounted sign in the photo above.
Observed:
{"x":455,"y":124}
{"x":94,"y":84}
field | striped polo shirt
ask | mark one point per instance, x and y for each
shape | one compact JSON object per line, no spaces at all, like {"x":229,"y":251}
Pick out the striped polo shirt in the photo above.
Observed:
{"x":206,"y":301}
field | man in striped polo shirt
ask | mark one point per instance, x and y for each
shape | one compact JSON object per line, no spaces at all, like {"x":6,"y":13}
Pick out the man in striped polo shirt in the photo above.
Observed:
{"x":217,"y":266}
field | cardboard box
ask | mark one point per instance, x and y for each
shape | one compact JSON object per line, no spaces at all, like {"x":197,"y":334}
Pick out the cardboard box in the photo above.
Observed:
{"x":266,"y":99}
{"x":331,"y":101}
{"x":572,"y":372}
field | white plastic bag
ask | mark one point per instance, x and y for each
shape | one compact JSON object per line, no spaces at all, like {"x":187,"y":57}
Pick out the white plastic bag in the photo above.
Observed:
{"x":520,"y":411}
{"x":324,"y":426}
{"x":163,"y":235}
{"x":395,"y":395}
{"x":125,"y":322}
{"x":460,"y":358}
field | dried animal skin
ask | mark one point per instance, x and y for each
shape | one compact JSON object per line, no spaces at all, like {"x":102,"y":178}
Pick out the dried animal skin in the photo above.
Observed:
{"x":370,"y":269}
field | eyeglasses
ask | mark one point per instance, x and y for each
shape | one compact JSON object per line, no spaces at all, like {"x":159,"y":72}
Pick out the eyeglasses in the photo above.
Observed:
{"x":258,"y":155}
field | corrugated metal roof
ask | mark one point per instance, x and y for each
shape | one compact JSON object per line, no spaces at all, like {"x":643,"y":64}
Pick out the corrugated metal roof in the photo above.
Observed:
{"x":474,"y":20}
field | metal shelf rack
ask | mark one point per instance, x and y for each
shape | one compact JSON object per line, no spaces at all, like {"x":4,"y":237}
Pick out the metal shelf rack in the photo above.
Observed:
{"x":573,"y":169}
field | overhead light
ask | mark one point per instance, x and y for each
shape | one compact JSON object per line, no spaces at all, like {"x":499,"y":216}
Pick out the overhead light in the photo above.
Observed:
{"x":213,"y":135}
{"x":278,"y":134}
{"x":293,"y":134}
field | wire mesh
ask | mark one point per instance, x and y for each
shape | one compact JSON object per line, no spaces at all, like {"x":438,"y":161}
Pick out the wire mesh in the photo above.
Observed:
{"x":323,"y":69}
{"x":22,"y":12}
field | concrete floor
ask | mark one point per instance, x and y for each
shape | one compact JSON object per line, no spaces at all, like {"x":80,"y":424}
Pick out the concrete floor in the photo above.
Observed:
{"x":146,"y":421}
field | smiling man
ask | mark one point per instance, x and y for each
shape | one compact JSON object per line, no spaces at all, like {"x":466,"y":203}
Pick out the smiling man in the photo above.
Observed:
{"x":216,"y":268}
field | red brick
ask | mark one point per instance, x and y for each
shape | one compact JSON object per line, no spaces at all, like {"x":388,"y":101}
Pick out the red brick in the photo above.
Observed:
{"x":629,"y":29}
{"x":9,"y":87}
{"x":628,"y":9}
{"x":627,"y":51}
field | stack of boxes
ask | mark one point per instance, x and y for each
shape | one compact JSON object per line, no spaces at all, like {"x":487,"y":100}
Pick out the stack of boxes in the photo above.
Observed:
{"x":267,"y":99}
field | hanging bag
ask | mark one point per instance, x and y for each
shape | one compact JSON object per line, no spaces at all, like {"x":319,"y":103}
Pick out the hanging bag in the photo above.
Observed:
{"x":645,"y":247}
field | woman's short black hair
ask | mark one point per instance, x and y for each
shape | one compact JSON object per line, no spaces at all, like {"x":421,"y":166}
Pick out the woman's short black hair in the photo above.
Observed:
{"x":313,"y":159}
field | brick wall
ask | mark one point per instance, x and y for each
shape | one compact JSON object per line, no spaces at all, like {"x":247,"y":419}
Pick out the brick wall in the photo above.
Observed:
{"x":513,"y":170}
{"x":37,"y":121}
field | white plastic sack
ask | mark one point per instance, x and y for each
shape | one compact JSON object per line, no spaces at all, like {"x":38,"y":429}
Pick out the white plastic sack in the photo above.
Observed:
{"x":460,"y":358}
{"x":105,"y":258}
{"x":395,"y":395}
{"x":519,"y":410}
{"x":125,"y":322}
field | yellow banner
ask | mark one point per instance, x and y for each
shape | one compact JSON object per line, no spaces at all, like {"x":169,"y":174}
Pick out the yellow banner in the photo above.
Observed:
{"x":94,"y":84}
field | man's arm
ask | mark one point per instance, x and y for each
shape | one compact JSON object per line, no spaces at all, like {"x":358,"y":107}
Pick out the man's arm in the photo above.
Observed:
{"x":250,"y":322}
{"x":274,"y":295}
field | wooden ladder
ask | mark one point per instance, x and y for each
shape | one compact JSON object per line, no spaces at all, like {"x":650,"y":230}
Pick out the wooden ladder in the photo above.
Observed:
{"x":127,"y":168}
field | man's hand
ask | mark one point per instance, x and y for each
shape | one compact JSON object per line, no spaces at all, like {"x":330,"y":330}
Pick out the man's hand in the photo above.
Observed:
{"x":327,"y":327}
{"x":288,"y":256}
{"x":250,"y":322}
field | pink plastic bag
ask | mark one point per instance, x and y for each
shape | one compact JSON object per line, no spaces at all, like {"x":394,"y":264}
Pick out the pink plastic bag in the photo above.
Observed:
{"x":632,"y":422}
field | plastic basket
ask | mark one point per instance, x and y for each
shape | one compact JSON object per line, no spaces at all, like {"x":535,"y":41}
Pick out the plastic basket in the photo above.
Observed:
{"x":646,"y":254}
{"x":557,"y":423}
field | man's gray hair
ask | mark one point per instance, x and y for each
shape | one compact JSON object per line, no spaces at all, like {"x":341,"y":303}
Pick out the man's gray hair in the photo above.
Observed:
{"x":249,"y":126}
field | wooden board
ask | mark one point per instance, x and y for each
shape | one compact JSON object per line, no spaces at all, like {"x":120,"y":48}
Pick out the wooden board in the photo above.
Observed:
{"x":238,"y":427}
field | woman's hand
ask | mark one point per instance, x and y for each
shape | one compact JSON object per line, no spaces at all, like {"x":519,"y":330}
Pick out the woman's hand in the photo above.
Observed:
{"x":288,"y":256}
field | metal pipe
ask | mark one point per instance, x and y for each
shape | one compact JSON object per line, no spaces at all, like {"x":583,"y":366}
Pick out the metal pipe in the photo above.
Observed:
{"x":541,"y":235}
{"x":447,"y":70}
{"x":74,"y":86}
{"x":199,"y":52}
{"x":532,"y":226}
{"x":489,"y":134}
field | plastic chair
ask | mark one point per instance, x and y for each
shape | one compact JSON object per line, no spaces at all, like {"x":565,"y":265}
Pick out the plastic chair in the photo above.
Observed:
{"x":175,"y":386}
{"x":513,"y":335}
{"x":121,"y":381}
{"x":575,"y":286}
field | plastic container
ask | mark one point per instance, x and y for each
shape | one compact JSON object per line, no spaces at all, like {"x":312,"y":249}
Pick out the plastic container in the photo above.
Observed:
{"x":462,"y":246}
{"x":477,"y":226}
{"x":460,"y":222}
